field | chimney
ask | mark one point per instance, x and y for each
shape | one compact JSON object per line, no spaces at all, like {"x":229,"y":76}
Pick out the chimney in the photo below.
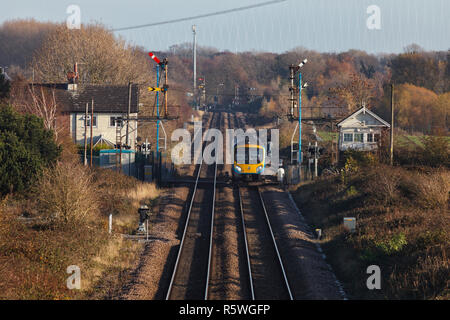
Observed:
{"x":72,"y":78}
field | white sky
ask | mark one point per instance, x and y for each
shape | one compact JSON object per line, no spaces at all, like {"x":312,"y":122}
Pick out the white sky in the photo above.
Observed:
{"x":323,"y":25}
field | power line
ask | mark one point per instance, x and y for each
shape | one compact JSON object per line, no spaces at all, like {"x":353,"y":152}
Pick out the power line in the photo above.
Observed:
{"x":200,"y":16}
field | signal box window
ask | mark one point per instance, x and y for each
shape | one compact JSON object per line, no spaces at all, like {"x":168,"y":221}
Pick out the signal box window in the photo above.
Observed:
{"x":359,"y":137}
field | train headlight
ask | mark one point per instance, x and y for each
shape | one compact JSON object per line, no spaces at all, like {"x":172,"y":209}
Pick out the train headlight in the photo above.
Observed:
{"x":259,"y":169}
{"x":238,"y":169}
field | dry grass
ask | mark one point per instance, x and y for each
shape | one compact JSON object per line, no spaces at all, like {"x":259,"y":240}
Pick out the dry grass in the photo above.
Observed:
{"x":111,"y":268}
{"x":402,"y":226}
{"x":431,"y":190}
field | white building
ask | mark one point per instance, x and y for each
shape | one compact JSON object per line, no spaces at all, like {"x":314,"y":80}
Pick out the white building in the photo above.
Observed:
{"x":110,"y":102}
{"x":361,"y":130}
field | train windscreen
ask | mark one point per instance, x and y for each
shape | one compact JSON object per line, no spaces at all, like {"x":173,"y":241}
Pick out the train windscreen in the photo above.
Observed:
{"x":249,"y":155}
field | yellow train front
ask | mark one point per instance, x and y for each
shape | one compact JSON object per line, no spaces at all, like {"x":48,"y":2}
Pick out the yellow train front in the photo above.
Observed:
{"x":249,"y":162}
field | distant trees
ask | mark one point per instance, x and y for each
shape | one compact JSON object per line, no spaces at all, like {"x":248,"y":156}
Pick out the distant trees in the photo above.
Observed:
{"x":269,"y":109}
{"x":102,"y":57}
{"x":19,"y":39}
{"x":25,"y":148}
{"x":338,"y":83}
{"x":447,"y":73}
{"x":417,"y":109}
{"x":415,"y":68}
{"x":358,"y":91}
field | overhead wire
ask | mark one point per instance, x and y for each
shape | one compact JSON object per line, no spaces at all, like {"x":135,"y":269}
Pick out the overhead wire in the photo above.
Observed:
{"x":200,"y":16}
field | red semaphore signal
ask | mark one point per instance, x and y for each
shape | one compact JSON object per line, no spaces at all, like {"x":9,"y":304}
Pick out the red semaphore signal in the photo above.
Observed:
{"x":155,"y":58}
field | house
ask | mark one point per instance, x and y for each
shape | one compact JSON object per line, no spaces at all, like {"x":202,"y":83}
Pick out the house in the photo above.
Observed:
{"x":361,"y":130}
{"x":110,"y":103}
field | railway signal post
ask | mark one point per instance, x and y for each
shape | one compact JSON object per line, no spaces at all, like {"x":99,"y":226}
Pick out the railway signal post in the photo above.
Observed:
{"x":296,"y":149}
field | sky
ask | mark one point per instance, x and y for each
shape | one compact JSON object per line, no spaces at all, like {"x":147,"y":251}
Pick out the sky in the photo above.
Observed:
{"x":322,"y":25}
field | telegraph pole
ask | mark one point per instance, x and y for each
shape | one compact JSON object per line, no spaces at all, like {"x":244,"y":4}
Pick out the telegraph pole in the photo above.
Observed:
{"x":300,"y":118}
{"x":204,"y":91}
{"x":392,"y":126}
{"x":128,"y":113}
{"x":92,"y":124}
{"x":194,"y":50}
{"x":85,"y":133}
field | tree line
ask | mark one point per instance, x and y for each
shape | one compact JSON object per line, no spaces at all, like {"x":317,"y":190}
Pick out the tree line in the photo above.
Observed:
{"x":338,"y":83}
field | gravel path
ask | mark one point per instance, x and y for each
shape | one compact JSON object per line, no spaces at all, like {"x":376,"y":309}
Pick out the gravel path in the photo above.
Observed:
{"x":309,"y":274}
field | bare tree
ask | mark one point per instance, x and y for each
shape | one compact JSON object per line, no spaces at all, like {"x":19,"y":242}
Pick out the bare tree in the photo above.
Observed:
{"x":40,"y":101}
{"x":103,"y":58}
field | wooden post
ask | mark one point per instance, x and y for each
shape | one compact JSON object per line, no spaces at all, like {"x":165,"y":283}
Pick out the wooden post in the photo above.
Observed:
{"x":128,"y":113}
{"x":92,"y":124}
{"x":85,"y":134}
{"x":392,"y":127}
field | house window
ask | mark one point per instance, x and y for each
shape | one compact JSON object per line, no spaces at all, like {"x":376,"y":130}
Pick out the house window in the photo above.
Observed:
{"x":113,"y":121}
{"x":348,"y":137}
{"x":359,"y":137}
{"x":370,"y":137}
{"x":377,"y":137}
{"x":88,"y":121}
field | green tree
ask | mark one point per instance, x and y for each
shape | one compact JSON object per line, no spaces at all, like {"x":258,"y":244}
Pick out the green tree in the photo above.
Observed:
{"x":25,"y":148}
{"x":5,"y":86}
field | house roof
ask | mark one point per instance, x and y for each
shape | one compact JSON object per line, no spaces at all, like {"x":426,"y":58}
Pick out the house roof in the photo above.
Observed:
{"x":364,"y":110}
{"x":107,"y":98}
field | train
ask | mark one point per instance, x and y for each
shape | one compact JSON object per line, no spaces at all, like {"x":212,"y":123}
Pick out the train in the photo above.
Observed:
{"x":249,"y":162}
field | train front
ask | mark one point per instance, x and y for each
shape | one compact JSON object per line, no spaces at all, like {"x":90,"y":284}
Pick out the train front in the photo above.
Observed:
{"x":249,"y":161}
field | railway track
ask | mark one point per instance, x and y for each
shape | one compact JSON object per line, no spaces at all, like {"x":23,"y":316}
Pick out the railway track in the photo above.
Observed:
{"x":267,"y":275}
{"x":229,"y":276}
{"x":199,"y":272}
{"x":190,"y":276}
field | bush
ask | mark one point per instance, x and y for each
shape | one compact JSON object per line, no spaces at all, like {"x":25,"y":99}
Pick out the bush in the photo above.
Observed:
{"x":65,"y":193}
{"x":430,"y":190}
{"x":358,"y":158}
{"x":25,"y":148}
{"x":385,"y":184}
{"x":392,"y":245}
{"x":435,"y":151}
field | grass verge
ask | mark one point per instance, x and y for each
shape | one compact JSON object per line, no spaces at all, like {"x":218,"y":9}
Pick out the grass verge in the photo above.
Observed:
{"x":402,"y":226}
{"x":64,"y":222}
